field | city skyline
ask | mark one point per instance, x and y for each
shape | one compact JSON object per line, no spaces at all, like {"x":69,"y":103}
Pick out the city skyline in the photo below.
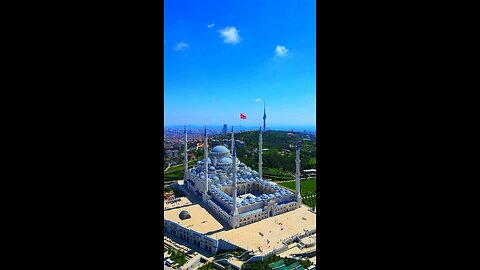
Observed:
{"x":225,"y":59}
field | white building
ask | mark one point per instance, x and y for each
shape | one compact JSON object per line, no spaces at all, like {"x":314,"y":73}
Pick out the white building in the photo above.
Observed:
{"x":235,"y":192}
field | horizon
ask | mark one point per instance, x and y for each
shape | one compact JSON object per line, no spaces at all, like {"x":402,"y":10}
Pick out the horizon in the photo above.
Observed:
{"x":223,"y":60}
{"x":244,"y":128}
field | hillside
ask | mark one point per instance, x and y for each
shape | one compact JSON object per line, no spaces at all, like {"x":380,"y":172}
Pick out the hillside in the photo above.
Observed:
{"x":279,"y":159}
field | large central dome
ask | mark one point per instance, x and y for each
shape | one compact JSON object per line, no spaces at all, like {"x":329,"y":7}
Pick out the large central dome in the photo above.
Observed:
{"x":220,"y":149}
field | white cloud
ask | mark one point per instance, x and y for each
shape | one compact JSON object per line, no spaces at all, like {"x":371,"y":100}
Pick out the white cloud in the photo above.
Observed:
{"x":211,"y":25}
{"x":230,"y":35}
{"x":180,"y":46}
{"x":281,"y":50}
{"x":258,"y":100}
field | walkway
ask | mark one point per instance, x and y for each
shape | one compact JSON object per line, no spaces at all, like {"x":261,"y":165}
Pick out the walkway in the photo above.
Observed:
{"x":168,"y":167}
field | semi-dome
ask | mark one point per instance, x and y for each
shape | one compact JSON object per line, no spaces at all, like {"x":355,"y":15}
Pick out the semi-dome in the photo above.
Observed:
{"x":184,"y":215}
{"x":220,"y":149}
{"x":225,"y":160}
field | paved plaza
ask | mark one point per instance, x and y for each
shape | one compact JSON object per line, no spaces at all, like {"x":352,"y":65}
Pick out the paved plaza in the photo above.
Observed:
{"x":267,"y":233}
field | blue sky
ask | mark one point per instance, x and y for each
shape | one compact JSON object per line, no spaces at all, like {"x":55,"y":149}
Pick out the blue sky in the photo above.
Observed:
{"x":227,"y":57}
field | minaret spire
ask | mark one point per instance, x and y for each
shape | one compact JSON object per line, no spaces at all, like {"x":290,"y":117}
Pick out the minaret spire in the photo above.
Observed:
{"x":264,"y":115}
{"x":297,"y":175}
{"x":205,"y":149}
{"x":234,"y":190}
{"x":233,"y":141}
{"x":260,"y":151}
{"x":185,"y":153}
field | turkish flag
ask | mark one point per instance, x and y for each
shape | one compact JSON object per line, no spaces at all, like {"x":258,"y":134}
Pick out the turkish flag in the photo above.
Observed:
{"x":243,"y":116}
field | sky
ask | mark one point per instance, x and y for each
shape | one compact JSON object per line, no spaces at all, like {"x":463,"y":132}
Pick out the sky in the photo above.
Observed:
{"x":223,"y":58}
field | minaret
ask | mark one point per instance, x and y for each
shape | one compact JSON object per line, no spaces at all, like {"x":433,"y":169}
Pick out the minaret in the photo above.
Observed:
{"x":260,"y":150}
{"x":234,"y":211}
{"x":297,"y":175}
{"x":205,"y":149}
{"x":233,"y":141}
{"x":185,"y":157}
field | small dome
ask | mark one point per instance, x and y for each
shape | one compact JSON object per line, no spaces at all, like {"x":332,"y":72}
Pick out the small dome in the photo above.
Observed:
{"x":220,"y":149}
{"x":184,"y":215}
{"x":211,"y":168}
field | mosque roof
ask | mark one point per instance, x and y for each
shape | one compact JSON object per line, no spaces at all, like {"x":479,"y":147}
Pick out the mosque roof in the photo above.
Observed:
{"x":220,"y":149}
{"x":225,"y":160}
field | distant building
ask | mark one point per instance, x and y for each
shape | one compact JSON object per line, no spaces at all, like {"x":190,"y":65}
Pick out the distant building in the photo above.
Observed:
{"x":171,"y":153}
{"x":285,"y":151}
{"x":310,"y":172}
{"x":224,"y":131}
{"x":239,"y":144}
{"x":227,"y":142}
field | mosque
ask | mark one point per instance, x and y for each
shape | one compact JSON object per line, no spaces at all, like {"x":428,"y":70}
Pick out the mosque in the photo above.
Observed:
{"x":238,"y":194}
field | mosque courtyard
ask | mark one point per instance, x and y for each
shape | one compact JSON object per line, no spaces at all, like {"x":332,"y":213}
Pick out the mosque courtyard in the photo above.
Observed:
{"x":262,"y":236}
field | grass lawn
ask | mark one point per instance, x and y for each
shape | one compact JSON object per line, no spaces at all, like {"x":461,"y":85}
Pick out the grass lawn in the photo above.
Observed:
{"x":308,"y":189}
{"x":277,"y":177}
{"x":176,"y":172}
{"x":309,"y":185}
